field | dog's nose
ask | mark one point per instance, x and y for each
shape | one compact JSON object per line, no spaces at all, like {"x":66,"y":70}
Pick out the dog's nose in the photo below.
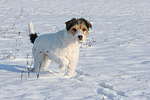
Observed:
{"x":80,"y":37}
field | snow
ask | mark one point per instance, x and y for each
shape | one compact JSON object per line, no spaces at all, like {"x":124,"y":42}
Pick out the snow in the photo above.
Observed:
{"x":114,"y":64}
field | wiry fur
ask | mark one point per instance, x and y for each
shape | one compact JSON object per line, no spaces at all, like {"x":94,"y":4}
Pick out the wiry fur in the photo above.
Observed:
{"x":60,"y":47}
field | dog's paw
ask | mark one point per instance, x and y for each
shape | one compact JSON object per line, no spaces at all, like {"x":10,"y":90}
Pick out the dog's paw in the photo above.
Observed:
{"x":67,"y":75}
{"x":33,"y":70}
{"x":61,"y":68}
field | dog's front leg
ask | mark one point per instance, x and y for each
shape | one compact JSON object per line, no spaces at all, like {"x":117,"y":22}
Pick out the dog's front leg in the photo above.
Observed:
{"x":71,"y":67}
{"x":70,"y":70}
{"x":63,"y":63}
{"x":61,"y":60}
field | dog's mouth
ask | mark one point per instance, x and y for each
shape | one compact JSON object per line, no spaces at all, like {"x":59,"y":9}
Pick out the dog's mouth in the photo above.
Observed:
{"x":80,"y":41}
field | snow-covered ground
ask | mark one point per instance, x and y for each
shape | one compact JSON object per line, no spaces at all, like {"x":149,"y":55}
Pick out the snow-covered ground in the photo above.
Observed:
{"x":113,"y":65}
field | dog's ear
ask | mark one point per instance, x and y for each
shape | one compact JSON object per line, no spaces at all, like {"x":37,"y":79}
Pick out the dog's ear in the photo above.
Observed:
{"x":87,"y":23}
{"x":69,"y":23}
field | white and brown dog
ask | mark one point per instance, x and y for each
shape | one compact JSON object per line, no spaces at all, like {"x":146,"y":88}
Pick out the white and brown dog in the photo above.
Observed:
{"x":61,"y":47}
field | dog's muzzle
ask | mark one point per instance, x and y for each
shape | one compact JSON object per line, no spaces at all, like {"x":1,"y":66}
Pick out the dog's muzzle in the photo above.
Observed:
{"x":80,"y":37}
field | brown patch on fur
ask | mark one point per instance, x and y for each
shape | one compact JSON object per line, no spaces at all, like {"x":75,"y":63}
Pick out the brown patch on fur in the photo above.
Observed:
{"x":74,"y":21}
{"x":79,"y":27}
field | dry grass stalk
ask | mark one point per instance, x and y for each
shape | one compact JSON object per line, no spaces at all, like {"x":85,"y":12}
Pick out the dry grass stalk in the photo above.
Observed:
{"x":89,"y":44}
{"x":21,"y":76}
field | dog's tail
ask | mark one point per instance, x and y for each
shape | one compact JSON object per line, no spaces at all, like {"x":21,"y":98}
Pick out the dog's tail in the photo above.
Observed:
{"x":32,"y":34}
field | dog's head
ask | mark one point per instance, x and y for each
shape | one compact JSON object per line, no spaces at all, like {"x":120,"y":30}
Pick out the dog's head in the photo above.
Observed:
{"x":78,"y":28}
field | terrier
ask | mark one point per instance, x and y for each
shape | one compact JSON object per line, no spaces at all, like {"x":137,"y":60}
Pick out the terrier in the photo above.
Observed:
{"x":61,"y":47}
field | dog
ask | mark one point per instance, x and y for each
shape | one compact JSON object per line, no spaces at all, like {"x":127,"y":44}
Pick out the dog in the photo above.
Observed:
{"x":61,"y":47}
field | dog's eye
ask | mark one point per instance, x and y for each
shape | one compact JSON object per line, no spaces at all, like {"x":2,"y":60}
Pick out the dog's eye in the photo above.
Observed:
{"x":74,"y":29}
{"x":84,"y":29}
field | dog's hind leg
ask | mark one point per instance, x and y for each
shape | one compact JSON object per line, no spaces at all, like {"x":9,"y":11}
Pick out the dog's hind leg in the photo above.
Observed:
{"x":45,"y":63}
{"x":38,"y":61}
{"x":41,"y":62}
